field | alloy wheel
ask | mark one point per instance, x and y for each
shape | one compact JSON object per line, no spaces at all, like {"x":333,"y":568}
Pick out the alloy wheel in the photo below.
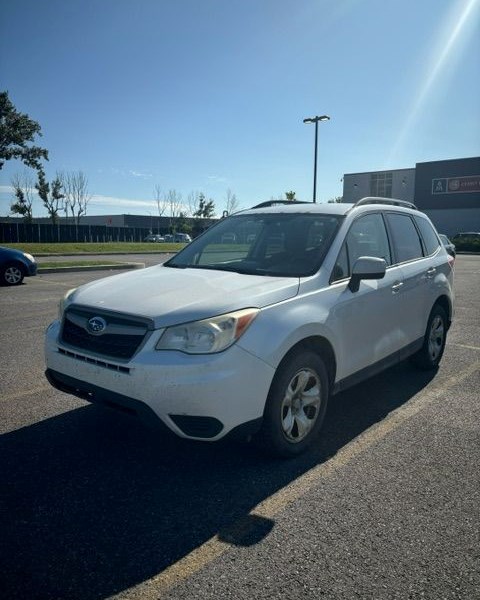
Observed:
{"x":436,"y":337}
{"x":13,"y":275}
{"x":300,"y":405}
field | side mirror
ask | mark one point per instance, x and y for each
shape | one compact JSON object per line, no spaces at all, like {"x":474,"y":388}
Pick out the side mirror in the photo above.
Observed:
{"x":366,"y":267}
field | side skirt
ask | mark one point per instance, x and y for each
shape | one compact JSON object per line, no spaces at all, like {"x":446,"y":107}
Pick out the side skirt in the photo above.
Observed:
{"x":378,"y":367}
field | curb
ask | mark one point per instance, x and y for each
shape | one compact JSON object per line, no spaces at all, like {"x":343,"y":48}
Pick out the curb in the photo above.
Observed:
{"x":79,"y":269}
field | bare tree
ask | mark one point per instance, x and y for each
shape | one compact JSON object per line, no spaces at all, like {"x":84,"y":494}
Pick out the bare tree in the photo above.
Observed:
{"x":77,"y":197}
{"x":24,"y":189}
{"x":174,"y":203}
{"x":160,"y":200}
{"x":231,"y":204}
{"x":193,"y":202}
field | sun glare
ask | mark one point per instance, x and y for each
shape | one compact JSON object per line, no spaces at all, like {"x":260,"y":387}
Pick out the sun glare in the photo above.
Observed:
{"x":447,"y":48}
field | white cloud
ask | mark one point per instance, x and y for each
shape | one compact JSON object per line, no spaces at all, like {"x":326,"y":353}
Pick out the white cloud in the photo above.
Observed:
{"x":138,"y":174}
{"x":112,"y":201}
{"x":216,"y":178}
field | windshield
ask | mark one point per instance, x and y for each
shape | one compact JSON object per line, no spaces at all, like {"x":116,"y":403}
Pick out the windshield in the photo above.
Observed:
{"x":283,"y":244}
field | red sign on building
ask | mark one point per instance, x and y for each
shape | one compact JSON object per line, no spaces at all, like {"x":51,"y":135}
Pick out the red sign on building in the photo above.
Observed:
{"x":464,"y":184}
{"x":456,"y":185}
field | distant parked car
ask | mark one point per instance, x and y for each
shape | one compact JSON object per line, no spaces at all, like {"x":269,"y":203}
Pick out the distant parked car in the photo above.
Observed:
{"x":153,"y":237}
{"x":449,"y":247}
{"x":15,"y":265}
{"x":168,"y":237}
{"x":468,"y":235}
{"x":467,"y":241}
{"x":183,"y":238}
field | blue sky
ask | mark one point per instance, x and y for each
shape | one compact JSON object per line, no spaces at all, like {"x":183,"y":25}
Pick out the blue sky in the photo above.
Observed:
{"x":210,"y":95}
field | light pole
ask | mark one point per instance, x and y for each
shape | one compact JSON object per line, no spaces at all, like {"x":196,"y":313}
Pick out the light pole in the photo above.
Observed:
{"x":316,"y":120}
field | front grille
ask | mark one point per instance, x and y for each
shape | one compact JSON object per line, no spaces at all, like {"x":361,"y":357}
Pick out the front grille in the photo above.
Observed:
{"x":114,"y":344}
{"x":94,"y":361}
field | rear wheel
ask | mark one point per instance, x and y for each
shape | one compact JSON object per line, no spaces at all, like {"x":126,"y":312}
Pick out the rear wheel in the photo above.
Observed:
{"x":296,"y":405}
{"x":430,"y":355}
{"x":12,"y":274}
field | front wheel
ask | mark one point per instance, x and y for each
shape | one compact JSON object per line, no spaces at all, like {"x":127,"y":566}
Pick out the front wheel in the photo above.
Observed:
{"x":11,"y":274}
{"x":431,"y":352}
{"x":296,"y":405}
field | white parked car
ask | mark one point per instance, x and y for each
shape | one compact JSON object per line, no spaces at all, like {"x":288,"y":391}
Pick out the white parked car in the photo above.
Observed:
{"x":255,"y":338}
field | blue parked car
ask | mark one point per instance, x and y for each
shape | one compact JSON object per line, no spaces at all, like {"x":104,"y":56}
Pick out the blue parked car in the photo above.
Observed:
{"x":15,"y":265}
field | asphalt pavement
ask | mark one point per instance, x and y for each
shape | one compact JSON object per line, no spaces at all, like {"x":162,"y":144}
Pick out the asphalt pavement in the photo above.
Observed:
{"x":96,"y":506}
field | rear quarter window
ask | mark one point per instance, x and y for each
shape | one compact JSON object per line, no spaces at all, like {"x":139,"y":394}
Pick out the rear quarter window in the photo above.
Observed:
{"x":406,"y":241}
{"x":428,"y":234}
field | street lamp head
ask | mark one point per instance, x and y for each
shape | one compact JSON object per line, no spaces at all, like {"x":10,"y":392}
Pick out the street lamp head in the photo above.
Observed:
{"x":316,"y":119}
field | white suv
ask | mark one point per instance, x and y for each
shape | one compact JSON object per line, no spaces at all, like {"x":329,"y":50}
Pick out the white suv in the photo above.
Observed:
{"x":254,"y":337}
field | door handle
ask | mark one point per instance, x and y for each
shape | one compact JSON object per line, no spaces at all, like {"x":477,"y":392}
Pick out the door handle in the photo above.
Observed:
{"x":396,"y":287}
{"x":431,"y":272}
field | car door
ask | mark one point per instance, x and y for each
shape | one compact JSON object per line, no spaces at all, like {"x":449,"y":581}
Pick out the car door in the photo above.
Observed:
{"x":367,"y":321}
{"x":416,"y":294}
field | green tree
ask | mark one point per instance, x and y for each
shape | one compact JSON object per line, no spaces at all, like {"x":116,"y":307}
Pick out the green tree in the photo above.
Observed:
{"x":23,"y":191}
{"x":290,"y":195}
{"x":17,"y":132}
{"x":181,"y":224}
{"x":206,"y":208}
{"x":51,"y":195}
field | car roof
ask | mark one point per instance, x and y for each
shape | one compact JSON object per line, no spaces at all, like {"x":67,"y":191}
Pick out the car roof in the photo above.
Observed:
{"x":307,"y":207}
{"x":330,"y":208}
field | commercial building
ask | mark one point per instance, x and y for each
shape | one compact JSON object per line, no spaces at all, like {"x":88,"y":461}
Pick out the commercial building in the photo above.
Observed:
{"x":447,"y":190}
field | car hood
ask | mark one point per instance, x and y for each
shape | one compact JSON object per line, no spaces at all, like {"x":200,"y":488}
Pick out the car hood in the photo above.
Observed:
{"x":170,"y":296}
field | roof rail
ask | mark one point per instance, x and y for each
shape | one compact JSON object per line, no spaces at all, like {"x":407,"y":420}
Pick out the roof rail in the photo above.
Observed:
{"x":390,"y":201}
{"x":275,"y":202}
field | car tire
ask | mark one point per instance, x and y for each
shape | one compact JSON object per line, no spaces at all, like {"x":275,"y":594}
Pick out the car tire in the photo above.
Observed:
{"x":12,"y":274}
{"x":431,"y":352}
{"x":296,"y":405}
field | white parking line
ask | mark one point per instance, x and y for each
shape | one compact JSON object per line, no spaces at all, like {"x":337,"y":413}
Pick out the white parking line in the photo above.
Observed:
{"x":465,"y":346}
{"x":271,"y":506}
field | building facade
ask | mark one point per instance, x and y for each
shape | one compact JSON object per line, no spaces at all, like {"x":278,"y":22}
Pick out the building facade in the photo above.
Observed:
{"x":448,"y":191}
{"x":399,"y":183}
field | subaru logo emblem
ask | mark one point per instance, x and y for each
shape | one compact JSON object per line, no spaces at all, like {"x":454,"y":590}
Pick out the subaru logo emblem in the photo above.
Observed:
{"x":96,"y":325}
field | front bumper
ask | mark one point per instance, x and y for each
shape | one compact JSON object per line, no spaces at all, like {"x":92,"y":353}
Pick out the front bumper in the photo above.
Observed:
{"x":197,"y":397}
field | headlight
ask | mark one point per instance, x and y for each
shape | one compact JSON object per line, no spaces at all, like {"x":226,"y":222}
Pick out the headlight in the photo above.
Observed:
{"x":207,"y":336}
{"x":29,"y":256}
{"x":64,"y":302}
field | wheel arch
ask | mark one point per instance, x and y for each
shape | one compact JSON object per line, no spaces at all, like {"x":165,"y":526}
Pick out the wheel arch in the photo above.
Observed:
{"x":445,"y":303}
{"x":319,"y":345}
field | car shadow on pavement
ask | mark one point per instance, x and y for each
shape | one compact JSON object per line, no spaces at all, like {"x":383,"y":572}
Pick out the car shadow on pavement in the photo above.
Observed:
{"x":94,"y":503}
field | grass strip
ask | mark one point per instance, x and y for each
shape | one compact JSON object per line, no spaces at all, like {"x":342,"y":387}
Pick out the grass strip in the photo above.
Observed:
{"x":94,"y":248}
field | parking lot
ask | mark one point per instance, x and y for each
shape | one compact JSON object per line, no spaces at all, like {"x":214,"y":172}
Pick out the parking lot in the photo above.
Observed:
{"x":96,"y":506}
